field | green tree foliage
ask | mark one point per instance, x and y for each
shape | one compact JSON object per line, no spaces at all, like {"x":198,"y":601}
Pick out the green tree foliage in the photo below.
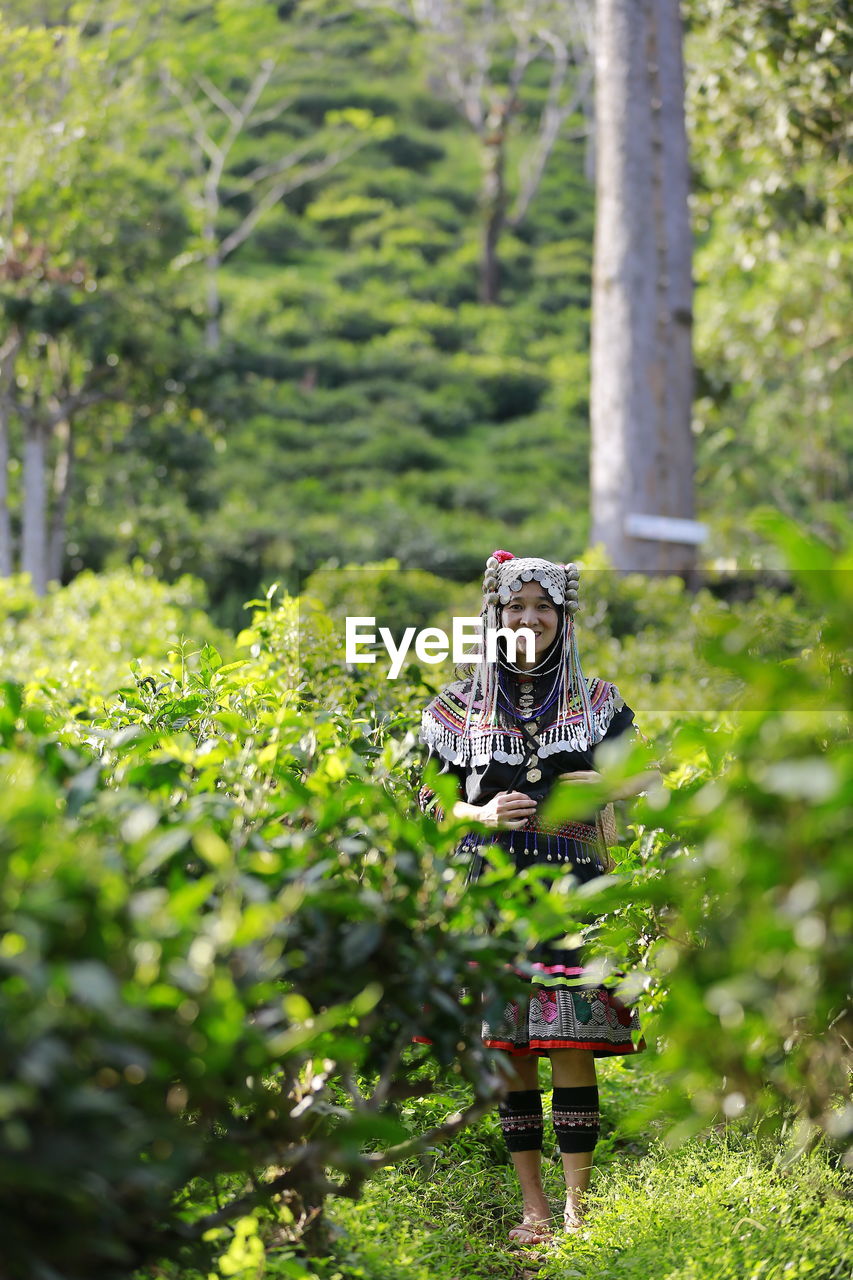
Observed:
{"x":363,"y":404}
{"x":237,"y":154}
{"x":96,"y":335}
{"x":734,"y":896}
{"x":77,"y":644}
{"x":766,"y":95}
{"x":355,"y":359}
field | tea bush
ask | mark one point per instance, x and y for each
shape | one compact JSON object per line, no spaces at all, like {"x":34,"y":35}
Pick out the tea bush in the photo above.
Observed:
{"x":223,"y":918}
{"x":222,"y":924}
{"x":733,"y":900}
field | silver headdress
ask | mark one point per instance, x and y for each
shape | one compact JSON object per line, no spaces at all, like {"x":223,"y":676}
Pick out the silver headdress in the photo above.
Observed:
{"x":505,"y":574}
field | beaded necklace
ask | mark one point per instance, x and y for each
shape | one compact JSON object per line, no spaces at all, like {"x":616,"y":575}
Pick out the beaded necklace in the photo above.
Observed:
{"x":526,"y":712}
{"x":537,"y":669}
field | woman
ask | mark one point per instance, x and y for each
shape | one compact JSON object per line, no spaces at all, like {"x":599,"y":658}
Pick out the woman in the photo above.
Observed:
{"x":508,"y":733}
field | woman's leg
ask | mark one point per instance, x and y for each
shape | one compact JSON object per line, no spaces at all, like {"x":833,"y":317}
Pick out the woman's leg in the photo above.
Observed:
{"x":521,"y":1112}
{"x":576,"y":1121}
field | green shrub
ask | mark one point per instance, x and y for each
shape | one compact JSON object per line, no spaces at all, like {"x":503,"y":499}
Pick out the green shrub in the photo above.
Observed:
{"x":219,"y":911}
{"x":78,"y":641}
{"x":737,"y":886}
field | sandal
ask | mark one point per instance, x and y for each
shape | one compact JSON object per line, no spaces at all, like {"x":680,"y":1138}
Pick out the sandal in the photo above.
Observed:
{"x":531,"y":1233}
{"x":571,"y":1222}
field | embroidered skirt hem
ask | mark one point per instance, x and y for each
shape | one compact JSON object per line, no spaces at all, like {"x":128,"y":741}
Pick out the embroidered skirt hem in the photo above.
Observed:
{"x":563,"y":1017}
{"x":562,"y":1003}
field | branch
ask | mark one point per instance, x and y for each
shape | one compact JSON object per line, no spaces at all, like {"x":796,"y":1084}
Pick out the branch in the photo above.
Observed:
{"x":254,"y":91}
{"x":82,"y":399}
{"x":277,"y":166}
{"x":380,"y":1093}
{"x":238,"y":116}
{"x":225,"y":105}
{"x":468,"y":96}
{"x":550,"y":122}
{"x":358,"y":1169}
{"x":524,"y":55}
{"x":273,"y":112}
{"x":441,"y":1133}
{"x":64,"y":409}
{"x":264,"y":1191}
{"x":8,"y":351}
{"x":467,"y":84}
{"x":201,"y":135}
{"x":275,"y":193}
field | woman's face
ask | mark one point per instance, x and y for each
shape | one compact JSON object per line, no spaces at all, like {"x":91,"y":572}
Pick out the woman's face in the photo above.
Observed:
{"x":531,"y":607}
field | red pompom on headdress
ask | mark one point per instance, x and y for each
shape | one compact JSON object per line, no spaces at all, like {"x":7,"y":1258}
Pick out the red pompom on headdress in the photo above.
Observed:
{"x":503,"y":555}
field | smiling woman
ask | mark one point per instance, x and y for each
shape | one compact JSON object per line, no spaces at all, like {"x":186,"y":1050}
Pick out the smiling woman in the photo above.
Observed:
{"x":532,"y":607}
{"x":509,"y":733}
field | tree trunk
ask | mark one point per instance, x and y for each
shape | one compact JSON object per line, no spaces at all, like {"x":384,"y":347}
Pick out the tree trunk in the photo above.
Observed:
{"x":61,"y":492}
{"x":5,"y":522}
{"x":34,"y":514}
{"x":494,"y":201}
{"x":211,"y":329}
{"x":641,"y":456}
{"x":8,"y":353}
{"x":212,"y":261}
{"x":624,"y":303}
{"x":675,"y":256}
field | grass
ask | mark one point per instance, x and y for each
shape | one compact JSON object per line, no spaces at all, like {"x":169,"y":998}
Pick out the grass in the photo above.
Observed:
{"x":720,"y":1207}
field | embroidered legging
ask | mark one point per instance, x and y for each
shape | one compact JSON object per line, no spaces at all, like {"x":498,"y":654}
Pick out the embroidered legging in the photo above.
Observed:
{"x":576,"y":1117}
{"x":574,"y":1112}
{"x":521,"y":1119}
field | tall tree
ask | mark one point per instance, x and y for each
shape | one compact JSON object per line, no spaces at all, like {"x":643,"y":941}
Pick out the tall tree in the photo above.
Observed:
{"x":231,"y":71}
{"x":75,"y":290}
{"x":481,"y":54}
{"x":769,"y":119}
{"x":642,"y":368}
{"x":51,"y":92}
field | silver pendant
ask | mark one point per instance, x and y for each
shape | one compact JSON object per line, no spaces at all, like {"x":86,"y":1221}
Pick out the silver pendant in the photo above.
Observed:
{"x":533,"y":775}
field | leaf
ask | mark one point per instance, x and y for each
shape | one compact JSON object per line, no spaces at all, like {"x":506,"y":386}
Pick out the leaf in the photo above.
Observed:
{"x":212,"y":848}
{"x":211,"y":659}
{"x":361,"y":941}
{"x":82,"y":788}
{"x":163,"y":848}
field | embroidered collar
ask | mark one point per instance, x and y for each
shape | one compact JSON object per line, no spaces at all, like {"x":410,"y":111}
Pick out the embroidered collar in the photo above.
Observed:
{"x":443,"y":724}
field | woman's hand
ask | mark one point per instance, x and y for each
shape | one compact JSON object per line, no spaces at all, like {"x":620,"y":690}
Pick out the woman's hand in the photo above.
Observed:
{"x":508,"y":810}
{"x":621,"y":790}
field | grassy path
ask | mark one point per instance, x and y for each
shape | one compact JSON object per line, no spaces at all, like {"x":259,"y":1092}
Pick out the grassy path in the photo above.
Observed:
{"x":716,"y":1209}
{"x":721,"y":1207}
